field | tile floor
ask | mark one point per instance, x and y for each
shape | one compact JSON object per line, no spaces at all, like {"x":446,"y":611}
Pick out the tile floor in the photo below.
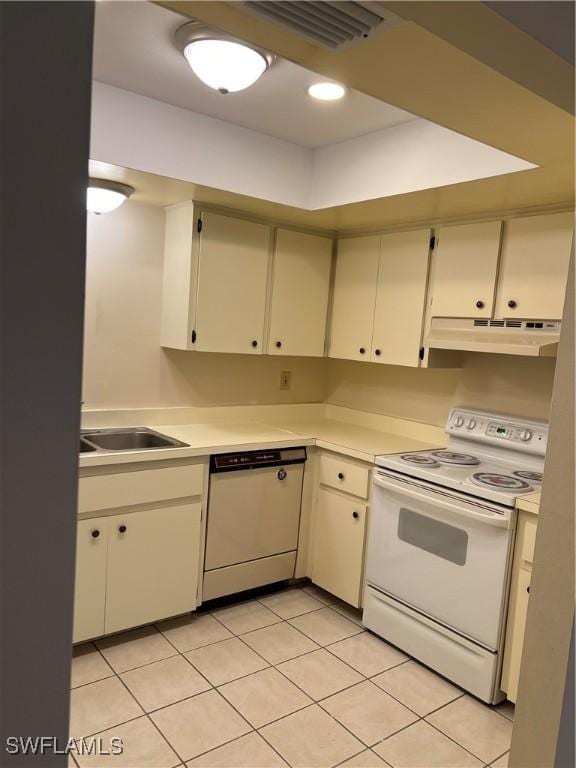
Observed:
{"x":289,"y":679}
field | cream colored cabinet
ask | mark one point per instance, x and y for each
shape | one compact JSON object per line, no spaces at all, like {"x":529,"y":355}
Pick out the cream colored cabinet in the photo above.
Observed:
{"x":339,"y":545}
{"x":137,"y":565}
{"x":300,"y":288}
{"x":354,"y":297}
{"x":400,"y":298}
{"x":464,"y":270}
{"x":232,"y":280}
{"x":153,"y":564}
{"x":90,"y":580}
{"x":338,"y":533}
{"x":226,"y":289}
{"x":518,"y":605}
{"x":534,"y":267}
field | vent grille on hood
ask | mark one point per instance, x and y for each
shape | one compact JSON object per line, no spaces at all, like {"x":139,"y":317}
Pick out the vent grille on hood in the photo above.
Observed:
{"x":332,"y":24}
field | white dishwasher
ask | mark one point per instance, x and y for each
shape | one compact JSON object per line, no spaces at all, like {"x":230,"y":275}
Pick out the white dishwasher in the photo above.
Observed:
{"x":253,"y":519}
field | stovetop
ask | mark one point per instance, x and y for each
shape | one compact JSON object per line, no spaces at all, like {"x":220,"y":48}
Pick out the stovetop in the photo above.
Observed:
{"x":496,"y":458}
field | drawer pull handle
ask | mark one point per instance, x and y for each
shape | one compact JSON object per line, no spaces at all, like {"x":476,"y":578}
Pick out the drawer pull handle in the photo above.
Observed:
{"x":340,"y":475}
{"x":528,"y":589}
{"x":281,"y":474}
{"x":122,"y":528}
{"x":355,"y":515}
{"x":95,"y":533}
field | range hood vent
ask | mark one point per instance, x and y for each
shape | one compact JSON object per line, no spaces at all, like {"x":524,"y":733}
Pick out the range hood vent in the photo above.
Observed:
{"x":330,"y":24}
{"x":533,"y":338}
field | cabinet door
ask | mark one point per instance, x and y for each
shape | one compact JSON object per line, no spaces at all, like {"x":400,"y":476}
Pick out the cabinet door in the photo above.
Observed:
{"x":400,"y":298}
{"x":300,"y":286}
{"x":232,"y":282}
{"x":90,"y":582}
{"x":534,"y":269}
{"x":153,"y":562}
{"x":516,"y":625}
{"x":465,"y":265}
{"x":339,"y":545}
{"x":354,"y":297}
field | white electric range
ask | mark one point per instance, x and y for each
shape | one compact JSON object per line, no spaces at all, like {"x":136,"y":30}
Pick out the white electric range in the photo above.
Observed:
{"x":440,"y":544}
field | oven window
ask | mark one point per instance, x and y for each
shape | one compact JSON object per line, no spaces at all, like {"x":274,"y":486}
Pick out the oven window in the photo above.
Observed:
{"x":433,"y":536}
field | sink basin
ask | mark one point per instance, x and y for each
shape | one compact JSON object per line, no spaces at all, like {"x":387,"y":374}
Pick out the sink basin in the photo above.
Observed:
{"x":128,"y":439}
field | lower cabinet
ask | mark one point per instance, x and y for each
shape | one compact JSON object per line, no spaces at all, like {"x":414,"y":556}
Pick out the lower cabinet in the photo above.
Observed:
{"x":339,"y":545}
{"x":137,"y":567}
{"x":90,"y":595}
{"x":518,"y":606}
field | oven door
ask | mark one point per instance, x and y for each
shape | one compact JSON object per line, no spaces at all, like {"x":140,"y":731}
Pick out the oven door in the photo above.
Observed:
{"x":444,"y":555}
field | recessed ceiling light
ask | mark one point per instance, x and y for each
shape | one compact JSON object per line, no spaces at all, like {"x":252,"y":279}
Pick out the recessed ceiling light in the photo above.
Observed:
{"x":327,"y":91}
{"x":223,"y":63}
{"x":104,"y":196}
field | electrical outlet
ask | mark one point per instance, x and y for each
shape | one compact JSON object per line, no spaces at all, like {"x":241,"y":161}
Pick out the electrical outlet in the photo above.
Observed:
{"x":285,"y":379}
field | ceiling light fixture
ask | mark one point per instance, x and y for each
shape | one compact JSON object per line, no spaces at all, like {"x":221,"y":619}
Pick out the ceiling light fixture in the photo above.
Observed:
{"x":221,"y":61}
{"x":104,"y":196}
{"x":327,"y":91}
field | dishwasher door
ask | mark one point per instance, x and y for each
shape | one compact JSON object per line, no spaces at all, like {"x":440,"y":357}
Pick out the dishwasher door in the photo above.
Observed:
{"x":253,"y":513}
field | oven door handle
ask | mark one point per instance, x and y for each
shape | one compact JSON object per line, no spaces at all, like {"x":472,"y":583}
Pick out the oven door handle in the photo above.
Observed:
{"x":463,"y":509}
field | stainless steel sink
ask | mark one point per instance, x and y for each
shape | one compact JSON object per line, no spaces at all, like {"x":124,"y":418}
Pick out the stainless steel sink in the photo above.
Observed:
{"x":126,"y":439}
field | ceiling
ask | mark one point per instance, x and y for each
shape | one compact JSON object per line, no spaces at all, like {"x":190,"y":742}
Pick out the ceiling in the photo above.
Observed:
{"x":134,"y":50}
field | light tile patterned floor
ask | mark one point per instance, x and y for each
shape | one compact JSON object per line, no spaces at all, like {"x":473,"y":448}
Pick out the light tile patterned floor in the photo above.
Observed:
{"x":289,"y":679}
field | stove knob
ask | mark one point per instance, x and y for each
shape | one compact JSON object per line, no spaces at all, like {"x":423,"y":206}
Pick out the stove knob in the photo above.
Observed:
{"x":471,"y":423}
{"x":525,"y":435}
{"x":458,"y":421}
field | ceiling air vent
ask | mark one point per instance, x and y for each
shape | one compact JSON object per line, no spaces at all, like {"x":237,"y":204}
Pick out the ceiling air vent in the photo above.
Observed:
{"x":331,"y":24}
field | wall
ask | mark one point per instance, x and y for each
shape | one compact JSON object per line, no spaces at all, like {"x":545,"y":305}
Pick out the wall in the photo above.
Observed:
{"x":124,"y":365}
{"x":515,"y":385}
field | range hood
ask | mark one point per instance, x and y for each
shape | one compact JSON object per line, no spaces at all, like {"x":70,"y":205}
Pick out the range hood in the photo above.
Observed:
{"x":531,"y":338}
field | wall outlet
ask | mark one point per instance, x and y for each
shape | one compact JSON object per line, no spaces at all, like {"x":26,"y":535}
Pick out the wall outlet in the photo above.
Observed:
{"x":285,"y":379}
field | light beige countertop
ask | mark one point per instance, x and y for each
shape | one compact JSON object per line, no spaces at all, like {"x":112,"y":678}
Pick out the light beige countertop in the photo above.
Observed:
{"x":205,"y":439}
{"x":530,"y":502}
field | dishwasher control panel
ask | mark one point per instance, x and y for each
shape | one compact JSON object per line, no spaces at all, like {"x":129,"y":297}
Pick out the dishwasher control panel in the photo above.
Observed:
{"x":229,"y":462}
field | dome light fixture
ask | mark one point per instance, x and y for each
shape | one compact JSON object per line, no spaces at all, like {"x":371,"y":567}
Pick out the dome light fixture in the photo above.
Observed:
{"x":219,"y":60}
{"x":327,"y":91}
{"x":103,"y":196}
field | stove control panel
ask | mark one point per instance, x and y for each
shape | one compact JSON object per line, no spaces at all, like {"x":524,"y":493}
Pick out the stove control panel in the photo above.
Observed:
{"x":527,"y":436}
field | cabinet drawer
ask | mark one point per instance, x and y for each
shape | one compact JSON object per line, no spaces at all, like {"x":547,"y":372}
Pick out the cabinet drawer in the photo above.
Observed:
{"x":124,"y":489}
{"x":529,"y":527}
{"x":344,"y":475}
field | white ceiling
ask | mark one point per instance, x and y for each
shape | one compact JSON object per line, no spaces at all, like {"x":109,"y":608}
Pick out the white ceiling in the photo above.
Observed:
{"x":134,"y":50}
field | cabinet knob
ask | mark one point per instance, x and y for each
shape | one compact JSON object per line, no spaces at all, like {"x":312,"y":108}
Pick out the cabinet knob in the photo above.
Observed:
{"x":278,"y":344}
{"x":377,"y":352}
{"x":254,"y":343}
{"x":340,"y":475}
{"x":512,"y":304}
{"x":355,"y":515}
{"x":95,"y":533}
{"x":480,"y":304}
{"x":528,"y":589}
{"x":122,"y":528}
{"x":362,"y":350}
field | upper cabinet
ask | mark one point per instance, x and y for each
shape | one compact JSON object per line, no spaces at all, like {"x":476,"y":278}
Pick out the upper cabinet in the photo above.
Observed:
{"x":534,"y":267}
{"x":465,"y":269}
{"x":226,"y":289}
{"x":300,"y":289}
{"x":379,"y":297}
{"x":233,"y":259}
{"x":354,"y":297}
{"x":477,"y":273}
{"x":401,"y":297}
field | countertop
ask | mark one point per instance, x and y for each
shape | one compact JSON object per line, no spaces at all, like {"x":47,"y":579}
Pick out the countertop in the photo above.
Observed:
{"x":529,"y":502}
{"x":205,"y":439}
